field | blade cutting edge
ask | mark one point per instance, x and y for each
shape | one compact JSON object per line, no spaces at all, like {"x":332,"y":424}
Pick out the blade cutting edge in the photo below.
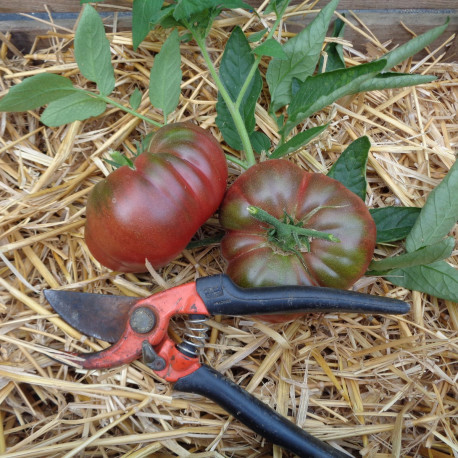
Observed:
{"x":96,"y":315}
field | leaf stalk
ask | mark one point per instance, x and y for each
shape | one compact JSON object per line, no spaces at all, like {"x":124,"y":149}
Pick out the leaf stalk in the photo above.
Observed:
{"x":124,"y":108}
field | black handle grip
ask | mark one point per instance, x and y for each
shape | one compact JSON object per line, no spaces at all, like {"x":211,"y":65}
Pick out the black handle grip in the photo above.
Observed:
{"x":222,"y":297}
{"x":255,"y":414}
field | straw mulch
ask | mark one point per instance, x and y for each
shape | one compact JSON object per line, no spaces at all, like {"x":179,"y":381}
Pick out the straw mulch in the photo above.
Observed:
{"x":375,"y":386}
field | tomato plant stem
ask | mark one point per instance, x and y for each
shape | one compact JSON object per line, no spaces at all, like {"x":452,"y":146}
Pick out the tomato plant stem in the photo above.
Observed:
{"x":126,"y":109}
{"x":236,"y":160}
{"x":247,"y":82}
{"x":286,"y":230}
{"x":234,"y":111}
{"x":257,"y":61}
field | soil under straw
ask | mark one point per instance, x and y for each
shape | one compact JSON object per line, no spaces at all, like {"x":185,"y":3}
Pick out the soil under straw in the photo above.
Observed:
{"x":376,"y":386}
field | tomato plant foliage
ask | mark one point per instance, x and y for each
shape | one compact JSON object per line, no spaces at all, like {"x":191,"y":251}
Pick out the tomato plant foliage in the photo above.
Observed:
{"x":299,"y":82}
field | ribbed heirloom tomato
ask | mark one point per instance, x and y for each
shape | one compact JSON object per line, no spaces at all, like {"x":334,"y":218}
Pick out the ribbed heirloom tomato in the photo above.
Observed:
{"x":267,"y":213}
{"x":151,"y":211}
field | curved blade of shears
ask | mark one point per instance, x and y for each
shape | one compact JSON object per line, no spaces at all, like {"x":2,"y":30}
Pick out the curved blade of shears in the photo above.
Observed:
{"x":96,"y":315}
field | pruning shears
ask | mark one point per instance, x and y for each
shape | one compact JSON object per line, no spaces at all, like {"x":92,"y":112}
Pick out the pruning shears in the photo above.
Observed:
{"x":137,"y":327}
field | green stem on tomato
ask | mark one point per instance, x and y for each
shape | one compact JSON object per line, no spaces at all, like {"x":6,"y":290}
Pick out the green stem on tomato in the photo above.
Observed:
{"x":233,"y":110}
{"x":285,"y":231}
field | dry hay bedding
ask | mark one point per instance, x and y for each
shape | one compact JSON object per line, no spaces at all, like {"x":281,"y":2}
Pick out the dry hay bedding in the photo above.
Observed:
{"x":373,"y":385}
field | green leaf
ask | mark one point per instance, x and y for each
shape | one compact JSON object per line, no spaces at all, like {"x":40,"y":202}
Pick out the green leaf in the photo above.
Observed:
{"x":295,"y":86}
{"x":233,"y":4}
{"x":298,"y":141}
{"x":164,"y":17}
{"x":36,"y":91}
{"x":350,"y":168}
{"x":319,"y":91}
{"x":280,"y":120}
{"x":201,"y":23}
{"x":439,"y":214}
{"x":426,"y":255}
{"x":186,"y":37}
{"x":256,"y":36}
{"x":189,"y":9}
{"x":92,"y":51}
{"x":403,"y":52}
{"x":184,"y":9}
{"x":438,"y":279}
{"x":142,"y":11}
{"x":303,"y":52}
{"x":165,"y":76}
{"x":260,"y":141}
{"x":272,"y":48}
{"x":145,"y":143}
{"x":135,"y":98}
{"x":118,"y":160}
{"x":334,"y":51}
{"x":394,"y":223}
{"x":236,"y":64}
{"x":75,"y":107}
{"x":392,"y":80}
{"x":275,"y":6}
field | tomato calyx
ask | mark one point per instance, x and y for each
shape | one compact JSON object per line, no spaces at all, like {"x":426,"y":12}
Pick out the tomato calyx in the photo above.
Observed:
{"x":118,"y":160}
{"x":289,"y":235}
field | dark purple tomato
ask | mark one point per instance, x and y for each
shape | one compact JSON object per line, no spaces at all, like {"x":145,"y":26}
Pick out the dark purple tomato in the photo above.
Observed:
{"x":151,"y":211}
{"x":259,"y":255}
